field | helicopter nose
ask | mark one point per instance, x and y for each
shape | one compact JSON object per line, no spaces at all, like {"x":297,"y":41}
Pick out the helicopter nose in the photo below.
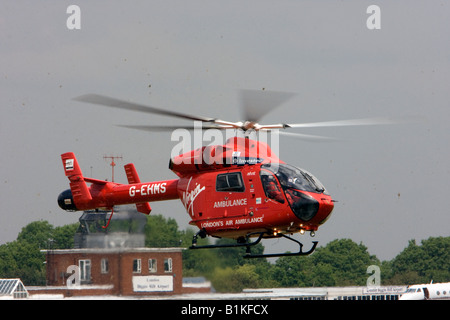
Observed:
{"x":326,"y":207}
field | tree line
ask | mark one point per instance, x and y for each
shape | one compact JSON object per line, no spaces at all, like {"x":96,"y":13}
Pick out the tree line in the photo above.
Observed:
{"x":341,"y":262}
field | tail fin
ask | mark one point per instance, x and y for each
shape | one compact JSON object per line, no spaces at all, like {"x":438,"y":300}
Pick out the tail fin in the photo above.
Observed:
{"x":80,"y":191}
{"x":133,"y":177}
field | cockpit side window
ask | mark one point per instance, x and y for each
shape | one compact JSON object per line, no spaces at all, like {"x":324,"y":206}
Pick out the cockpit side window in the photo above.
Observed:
{"x":231,"y":182}
{"x":271,"y":186}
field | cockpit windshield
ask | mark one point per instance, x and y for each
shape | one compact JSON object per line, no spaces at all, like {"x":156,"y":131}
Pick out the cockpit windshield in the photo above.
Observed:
{"x":292,"y":177}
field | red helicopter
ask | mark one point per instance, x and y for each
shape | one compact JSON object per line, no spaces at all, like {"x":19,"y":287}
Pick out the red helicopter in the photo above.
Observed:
{"x":239,"y":190}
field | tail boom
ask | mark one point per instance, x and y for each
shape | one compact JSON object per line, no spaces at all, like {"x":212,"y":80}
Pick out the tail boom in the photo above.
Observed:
{"x":105,"y":194}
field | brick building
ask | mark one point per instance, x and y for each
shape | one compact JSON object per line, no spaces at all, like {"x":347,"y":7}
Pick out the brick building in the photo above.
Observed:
{"x":124,"y":272}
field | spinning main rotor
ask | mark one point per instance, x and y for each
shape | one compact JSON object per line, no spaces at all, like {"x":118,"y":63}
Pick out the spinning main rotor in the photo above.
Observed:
{"x":255,"y":105}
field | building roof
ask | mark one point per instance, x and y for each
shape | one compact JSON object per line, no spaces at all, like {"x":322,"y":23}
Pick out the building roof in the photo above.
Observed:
{"x":113,"y":250}
{"x":12,"y":288}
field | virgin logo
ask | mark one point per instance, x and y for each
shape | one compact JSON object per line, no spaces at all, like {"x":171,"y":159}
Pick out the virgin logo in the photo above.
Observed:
{"x":190,"y":196}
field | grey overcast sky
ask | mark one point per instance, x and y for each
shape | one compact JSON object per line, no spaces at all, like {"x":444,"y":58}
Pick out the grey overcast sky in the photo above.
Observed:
{"x":392,"y":182}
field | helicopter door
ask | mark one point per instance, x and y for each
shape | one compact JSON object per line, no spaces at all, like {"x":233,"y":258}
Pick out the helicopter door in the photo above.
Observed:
{"x":271,"y":186}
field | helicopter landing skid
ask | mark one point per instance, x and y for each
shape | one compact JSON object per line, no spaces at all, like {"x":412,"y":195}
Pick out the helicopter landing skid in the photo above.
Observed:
{"x":248,"y":245}
{"x":286,"y":254}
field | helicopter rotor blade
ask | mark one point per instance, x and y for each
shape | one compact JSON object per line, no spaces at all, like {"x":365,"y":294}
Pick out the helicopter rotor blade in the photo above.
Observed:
{"x":308,"y":137}
{"x":172,"y":128}
{"x":343,"y":123}
{"x":257,"y":103}
{"x":116,"y":103}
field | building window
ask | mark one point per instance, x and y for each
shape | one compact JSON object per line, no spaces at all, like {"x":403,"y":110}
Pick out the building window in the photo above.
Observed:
{"x":85,"y":270}
{"x":104,"y":265}
{"x":168,"y":265}
{"x":152,"y":265}
{"x":137,"y":265}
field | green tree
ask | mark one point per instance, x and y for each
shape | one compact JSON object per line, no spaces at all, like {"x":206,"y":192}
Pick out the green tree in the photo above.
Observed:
{"x":422,"y":263}
{"x":8,"y":263}
{"x":37,"y":232}
{"x":20,"y":259}
{"x":346,"y":260}
{"x":23,"y":258}
{"x":44,"y":235}
{"x":162,"y":232}
{"x":235,"y":279}
{"x":63,"y":237}
{"x":234,"y":256}
{"x":291,"y":271}
{"x":339,"y":263}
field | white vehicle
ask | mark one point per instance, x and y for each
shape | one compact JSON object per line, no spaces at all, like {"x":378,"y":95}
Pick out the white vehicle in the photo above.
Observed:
{"x":431,"y":291}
